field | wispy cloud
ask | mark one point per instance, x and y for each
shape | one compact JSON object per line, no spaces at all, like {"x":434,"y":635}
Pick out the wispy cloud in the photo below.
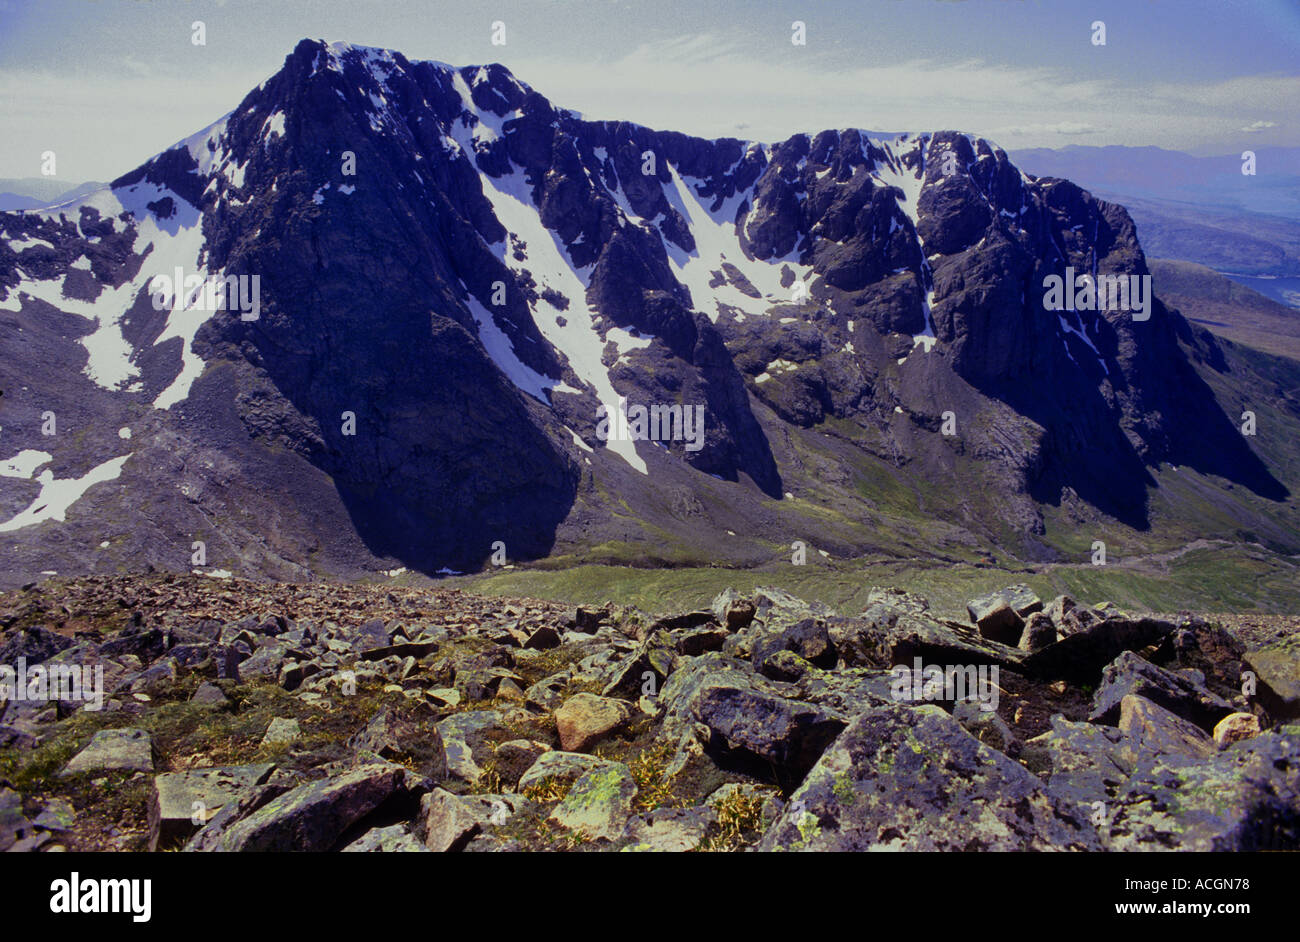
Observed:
{"x":710,"y":85}
{"x":704,"y":83}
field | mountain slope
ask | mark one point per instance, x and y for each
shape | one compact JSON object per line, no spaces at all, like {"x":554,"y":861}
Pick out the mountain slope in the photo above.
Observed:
{"x":1228,"y":309}
{"x":861,"y":320}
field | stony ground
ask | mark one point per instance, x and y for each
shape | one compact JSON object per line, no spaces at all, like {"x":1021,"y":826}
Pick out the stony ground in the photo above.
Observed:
{"x":250,"y":716}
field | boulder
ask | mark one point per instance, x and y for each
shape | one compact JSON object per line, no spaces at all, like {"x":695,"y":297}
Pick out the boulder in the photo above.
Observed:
{"x":1277,"y":671}
{"x":547,"y":693}
{"x":585,"y":719}
{"x":464,"y":744}
{"x":1183,"y":692}
{"x":450,"y":822}
{"x":312,"y":816}
{"x":903,"y":778}
{"x":281,"y":730}
{"x":809,"y":638}
{"x":599,"y":803}
{"x":1038,"y":633}
{"x":560,"y":767}
{"x":996,"y":619}
{"x":182,"y":802}
{"x":1082,"y":763}
{"x":671,"y":830}
{"x":1080,"y":657}
{"x":209,"y":694}
{"x":35,"y":644}
{"x":653,"y":660}
{"x":393,"y":737}
{"x":395,"y":838}
{"x":1155,"y":732}
{"x":114,"y":750}
{"x":732,"y":610}
{"x":885,"y":635}
{"x":744,"y":711}
{"x":1243,"y":798}
{"x":1235,"y":727}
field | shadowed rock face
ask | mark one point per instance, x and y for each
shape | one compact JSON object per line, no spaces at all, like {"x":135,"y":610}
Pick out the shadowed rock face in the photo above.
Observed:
{"x":496,"y":268}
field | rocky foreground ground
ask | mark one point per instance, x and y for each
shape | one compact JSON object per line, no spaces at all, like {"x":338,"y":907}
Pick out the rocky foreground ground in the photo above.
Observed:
{"x":248,"y":716}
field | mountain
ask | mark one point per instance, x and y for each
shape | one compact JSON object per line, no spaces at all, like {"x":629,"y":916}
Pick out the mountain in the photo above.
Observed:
{"x":35,"y":192}
{"x":1200,"y":209}
{"x":454,"y":277}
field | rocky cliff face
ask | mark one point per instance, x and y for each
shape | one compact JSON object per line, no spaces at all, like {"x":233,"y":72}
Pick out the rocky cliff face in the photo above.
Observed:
{"x":455,"y":276}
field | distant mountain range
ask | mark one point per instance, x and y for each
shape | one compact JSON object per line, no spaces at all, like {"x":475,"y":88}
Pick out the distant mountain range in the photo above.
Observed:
{"x":35,"y":192}
{"x":447,"y":284}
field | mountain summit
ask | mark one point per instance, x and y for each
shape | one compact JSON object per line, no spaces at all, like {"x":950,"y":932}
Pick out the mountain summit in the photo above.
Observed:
{"x":464,"y":294}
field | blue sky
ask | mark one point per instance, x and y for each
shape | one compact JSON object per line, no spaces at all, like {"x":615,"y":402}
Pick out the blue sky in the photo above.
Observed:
{"x":107,"y":83}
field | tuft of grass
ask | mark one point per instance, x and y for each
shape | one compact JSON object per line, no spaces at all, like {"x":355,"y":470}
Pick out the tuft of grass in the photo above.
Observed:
{"x":740,"y":822}
{"x":649,"y":771}
{"x":547,"y":791}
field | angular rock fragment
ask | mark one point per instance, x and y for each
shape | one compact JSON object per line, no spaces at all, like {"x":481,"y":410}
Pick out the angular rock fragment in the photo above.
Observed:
{"x":902,"y":778}
{"x":599,"y":803}
{"x":1182,"y":692}
{"x":182,"y":802}
{"x":114,"y":750}
{"x":585,"y":719}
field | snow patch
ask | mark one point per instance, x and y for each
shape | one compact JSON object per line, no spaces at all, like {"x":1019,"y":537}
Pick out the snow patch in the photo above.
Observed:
{"x":24,"y":464}
{"x":57,"y":496}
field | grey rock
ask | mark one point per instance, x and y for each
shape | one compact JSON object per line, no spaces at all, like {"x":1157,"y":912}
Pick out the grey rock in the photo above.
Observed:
{"x":264,"y":663}
{"x":599,"y":803}
{"x":210,"y":694}
{"x":1183,"y":693}
{"x":670,"y":830}
{"x":281,"y":730}
{"x":1080,"y":657}
{"x":114,"y":750}
{"x":389,"y":736}
{"x":393,"y":839}
{"x":450,"y":821}
{"x":182,"y":802}
{"x":585,"y":719}
{"x":732,"y":610}
{"x":996,"y":618}
{"x":1241,"y":799}
{"x":35,"y":644}
{"x":561,"y":767}
{"x":57,"y":815}
{"x":1156,"y":732}
{"x":463,"y":742}
{"x":1038,"y":633}
{"x":312,"y":816}
{"x":653,"y":661}
{"x":743,"y":710}
{"x":903,"y":778}
{"x":1277,"y":669}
